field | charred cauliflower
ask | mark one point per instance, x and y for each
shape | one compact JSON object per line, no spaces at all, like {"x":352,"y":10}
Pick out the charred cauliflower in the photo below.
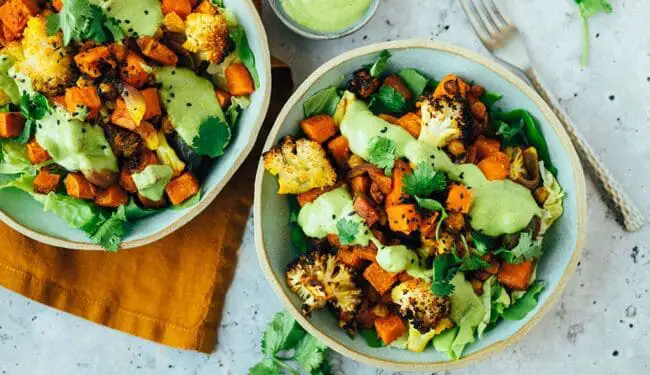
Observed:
{"x":445,"y":119}
{"x":207,"y":36}
{"x":46,"y":61}
{"x":318,"y":278}
{"x":301,"y":166}
{"x":419,"y":305}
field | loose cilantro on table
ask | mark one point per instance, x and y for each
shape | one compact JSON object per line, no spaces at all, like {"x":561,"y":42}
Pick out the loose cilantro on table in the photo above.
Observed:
{"x":379,"y":66}
{"x":526,"y":249}
{"x":347,"y":230}
{"x":424,"y":181}
{"x":214,"y":136}
{"x":283,"y":341}
{"x":589,"y":8}
{"x":382,"y":153}
{"x":387,"y":100}
{"x":322,"y":102}
{"x":80,"y":20}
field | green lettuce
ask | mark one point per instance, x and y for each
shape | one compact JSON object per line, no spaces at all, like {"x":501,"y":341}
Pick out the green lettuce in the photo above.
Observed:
{"x":14,"y":160}
{"x":526,"y":303}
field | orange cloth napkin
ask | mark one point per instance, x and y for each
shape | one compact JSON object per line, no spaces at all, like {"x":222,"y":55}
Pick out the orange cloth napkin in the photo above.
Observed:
{"x":172,"y":291}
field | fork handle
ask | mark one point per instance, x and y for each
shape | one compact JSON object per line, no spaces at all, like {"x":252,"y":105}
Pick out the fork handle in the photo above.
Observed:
{"x":618,"y":200}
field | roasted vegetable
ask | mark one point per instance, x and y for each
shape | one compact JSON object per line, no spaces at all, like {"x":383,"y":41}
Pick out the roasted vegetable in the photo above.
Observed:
{"x":496,"y":166}
{"x":46,"y":61}
{"x":46,"y":181}
{"x":157,"y":51}
{"x":76,"y":185}
{"x":516,"y":276}
{"x":301,"y":166}
{"x":181,"y":7}
{"x":319,"y":128}
{"x":524,"y":166}
{"x":340,"y":150}
{"x":123,"y":142}
{"x":451,"y":86}
{"x":363,"y":84}
{"x":182,"y":188}
{"x":417,"y":341}
{"x":14,"y":15}
{"x":112,"y":197}
{"x":444,"y":120}
{"x":11,"y":124}
{"x":96,"y":61}
{"x":240,"y":82}
{"x":379,"y":278}
{"x":78,"y":99}
{"x":135,"y":72}
{"x":318,"y":278}
{"x":36,"y":153}
{"x":411,"y":123}
{"x":389,"y":328}
{"x":419,"y":305}
{"x":207,"y":36}
{"x":459,"y":198}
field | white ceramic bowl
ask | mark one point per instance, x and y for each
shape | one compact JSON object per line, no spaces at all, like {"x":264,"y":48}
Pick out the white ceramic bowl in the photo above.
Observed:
{"x":562,"y":244}
{"x":21,"y":212}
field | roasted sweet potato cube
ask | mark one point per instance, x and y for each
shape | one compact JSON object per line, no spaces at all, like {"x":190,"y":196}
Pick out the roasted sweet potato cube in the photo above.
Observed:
{"x":134,"y":72}
{"x":77,"y":97}
{"x":516,"y":276}
{"x":96,"y":61}
{"x":390,"y":328}
{"x":364,"y":208}
{"x":157,"y":51}
{"x":223,"y":97}
{"x":46,"y":182}
{"x":35,"y":153}
{"x":411,"y":123}
{"x":319,"y":128}
{"x":368,"y":253}
{"x":152,"y":102}
{"x":122,"y":117}
{"x":380,"y":279}
{"x":11,"y":124}
{"x":181,"y":7}
{"x":182,"y":188}
{"x":348,"y":257}
{"x":76,"y":185}
{"x":403,"y":218}
{"x":240,"y":82}
{"x":14,"y":15}
{"x":360,"y":185}
{"x":126,"y":181}
{"x":112,"y":197}
{"x":340,"y":150}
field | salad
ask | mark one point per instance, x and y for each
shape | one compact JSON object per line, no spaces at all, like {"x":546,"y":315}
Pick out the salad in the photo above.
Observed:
{"x":420,"y":208}
{"x":112,"y":109}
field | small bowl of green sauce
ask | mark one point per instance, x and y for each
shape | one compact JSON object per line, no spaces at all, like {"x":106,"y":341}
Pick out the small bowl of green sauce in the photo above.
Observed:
{"x":324,"y":19}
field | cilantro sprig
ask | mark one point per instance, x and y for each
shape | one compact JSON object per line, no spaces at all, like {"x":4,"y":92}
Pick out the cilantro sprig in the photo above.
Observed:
{"x":214,"y":135}
{"x":445,"y":267}
{"x":347,"y":230}
{"x":285,"y":341}
{"x":380,"y":65}
{"x":80,"y":20}
{"x":33,"y":108}
{"x":382,"y":153}
{"x":589,"y":8}
{"x":527,"y":249}
{"x":424,"y":181}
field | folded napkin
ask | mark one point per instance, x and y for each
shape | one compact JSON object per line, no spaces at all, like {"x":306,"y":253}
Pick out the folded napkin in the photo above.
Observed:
{"x":172,"y":291}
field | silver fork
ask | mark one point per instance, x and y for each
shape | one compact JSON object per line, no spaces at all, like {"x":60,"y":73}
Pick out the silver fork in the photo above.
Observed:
{"x":504,"y":41}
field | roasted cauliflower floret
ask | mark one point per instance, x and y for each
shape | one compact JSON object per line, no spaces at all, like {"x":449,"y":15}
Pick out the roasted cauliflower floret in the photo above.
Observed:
{"x":301,"y":166}
{"x":46,"y":61}
{"x":318,"y":278}
{"x":207,"y":36}
{"x":417,"y":340}
{"x":445,"y":119}
{"x":419,"y":305}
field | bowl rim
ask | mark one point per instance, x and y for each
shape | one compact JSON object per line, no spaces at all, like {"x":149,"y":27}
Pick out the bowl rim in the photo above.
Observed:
{"x":554,"y":124}
{"x":265,"y":64}
{"x":310,"y":34}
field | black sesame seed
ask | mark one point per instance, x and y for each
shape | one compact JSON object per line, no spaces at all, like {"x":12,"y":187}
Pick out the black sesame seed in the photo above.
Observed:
{"x":462,"y":175}
{"x":188,"y":104}
{"x":433,"y":156}
{"x":146,"y":12}
{"x":333,"y":217}
{"x":173,"y":73}
{"x":130,"y":29}
{"x":127,"y":22}
{"x":615,"y":353}
{"x":384,"y":130}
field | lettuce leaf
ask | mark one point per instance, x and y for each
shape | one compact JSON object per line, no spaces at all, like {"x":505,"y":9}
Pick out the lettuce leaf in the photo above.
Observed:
{"x":414,"y":80}
{"x":526,"y":303}
{"x":244,"y":52}
{"x":323,"y":102}
{"x":14,"y":160}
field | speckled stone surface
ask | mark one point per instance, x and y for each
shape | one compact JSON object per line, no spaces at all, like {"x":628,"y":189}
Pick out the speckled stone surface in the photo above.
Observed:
{"x":602,"y":323}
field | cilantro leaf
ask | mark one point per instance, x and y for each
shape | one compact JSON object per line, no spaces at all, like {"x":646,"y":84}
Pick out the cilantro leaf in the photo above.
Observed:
{"x":32,"y":108}
{"x":387,"y":100}
{"x":526,"y":249}
{"x":266,"y":367}
{"x":79,"y":20}
{"x":424,"y":180}
{"x":322,"y":102}
{"x":482,"y":243}
{"x":244,"y":52}
{"x":282,"y":333}
{"x":511,"y":133}
{"x":115,"y":29}
{"x":379,"y":66}
{"x":414,"y":80}
{"x":347,"y":230}
{"x":370,"y":335}
{"x":433,"y":205}
{"x":310,"y":353}
{"x":214,"y":136}
{"x":382,"y":153}
{"x":445,"y":267}
{"x":525,"y":304}
{"x":110,"y":233}
{"x":589,"y":8}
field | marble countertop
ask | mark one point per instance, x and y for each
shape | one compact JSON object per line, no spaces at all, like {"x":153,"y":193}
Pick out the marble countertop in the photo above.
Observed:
{"x":602,"y":323}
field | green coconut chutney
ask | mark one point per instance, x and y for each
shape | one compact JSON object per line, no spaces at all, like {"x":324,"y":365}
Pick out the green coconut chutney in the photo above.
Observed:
{"x":326,"y":16}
